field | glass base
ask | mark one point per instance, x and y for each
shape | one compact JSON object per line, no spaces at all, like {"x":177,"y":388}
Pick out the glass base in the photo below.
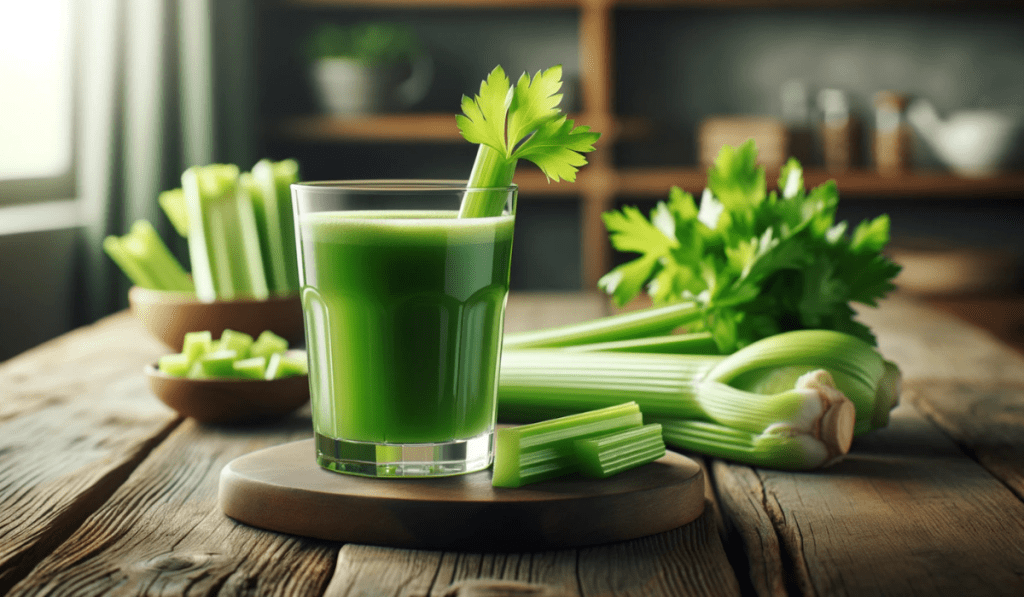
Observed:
{"x":369,"y":459}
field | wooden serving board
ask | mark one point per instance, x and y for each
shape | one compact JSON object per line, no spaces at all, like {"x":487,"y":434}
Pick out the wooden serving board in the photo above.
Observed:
{"x":283,"y":489}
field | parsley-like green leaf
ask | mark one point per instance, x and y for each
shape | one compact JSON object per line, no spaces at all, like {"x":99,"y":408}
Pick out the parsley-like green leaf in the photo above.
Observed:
{"x":756,"y":262}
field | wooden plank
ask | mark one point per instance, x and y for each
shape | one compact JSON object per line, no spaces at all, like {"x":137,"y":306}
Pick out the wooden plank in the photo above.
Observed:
{"x":928,"y":344}
{"x":985,"y":418}
{"x":75,"y":420}
{"x":162,"y":531}
{"x":906,"y":513}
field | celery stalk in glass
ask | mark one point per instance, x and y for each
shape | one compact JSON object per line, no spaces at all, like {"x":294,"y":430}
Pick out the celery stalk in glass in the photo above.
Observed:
{"x":270,"y":184}
{"x":517,"y":122}
{"x":223,"y":240}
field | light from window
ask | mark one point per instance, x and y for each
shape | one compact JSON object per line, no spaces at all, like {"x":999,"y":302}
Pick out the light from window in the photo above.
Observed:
{"x":35,"y":89}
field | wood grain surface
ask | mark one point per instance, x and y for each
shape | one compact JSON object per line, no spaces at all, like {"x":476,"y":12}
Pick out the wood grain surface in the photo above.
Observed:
{"x":104,"y":490}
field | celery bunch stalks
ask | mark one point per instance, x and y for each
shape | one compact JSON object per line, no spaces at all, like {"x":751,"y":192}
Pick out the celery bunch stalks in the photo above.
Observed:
{"x":806,"y":392}
{"x":145,"y":259}
{"x":240,"y":229}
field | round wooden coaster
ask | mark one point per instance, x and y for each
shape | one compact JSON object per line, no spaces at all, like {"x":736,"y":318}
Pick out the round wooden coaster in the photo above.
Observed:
{"x":283,"y":489}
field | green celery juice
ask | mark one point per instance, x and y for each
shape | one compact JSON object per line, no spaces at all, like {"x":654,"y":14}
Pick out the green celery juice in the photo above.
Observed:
{"x":403,"y":322}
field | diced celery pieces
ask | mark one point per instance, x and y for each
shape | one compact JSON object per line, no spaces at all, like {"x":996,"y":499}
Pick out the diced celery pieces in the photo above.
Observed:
{"x":219,"y":363}
{"x":607,"y":455}
{"x":267,"y":344}
{"x":270,"y":189}
{"x":544,"y":450}
{"x":195,"y":371}
{"x":251,"y":368}
{"x":145,"y":259}
{"x":223,"y":240}
{"x":174,"y":364}
{"x":240,"y":342}
{"x":283,"y":365}
{"x":173,"y":204}
{"x":197,"y":344}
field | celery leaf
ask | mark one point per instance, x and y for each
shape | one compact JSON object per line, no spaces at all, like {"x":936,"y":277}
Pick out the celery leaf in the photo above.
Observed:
{"x":756,"y":262}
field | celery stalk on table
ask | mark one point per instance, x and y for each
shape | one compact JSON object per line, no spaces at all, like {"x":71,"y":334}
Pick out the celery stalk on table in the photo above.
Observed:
{"x":223,"y":239}
{"x":145,"y":259}
{"x":545,"y":449}
{"x":270,"y":185}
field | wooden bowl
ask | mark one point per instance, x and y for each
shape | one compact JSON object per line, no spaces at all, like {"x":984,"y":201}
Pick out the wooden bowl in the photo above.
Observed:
{"x":234,"y":401}
{"x":170,"y":315}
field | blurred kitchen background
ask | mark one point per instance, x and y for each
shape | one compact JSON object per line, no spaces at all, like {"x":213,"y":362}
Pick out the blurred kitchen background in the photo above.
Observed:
{"x":915,"y":108}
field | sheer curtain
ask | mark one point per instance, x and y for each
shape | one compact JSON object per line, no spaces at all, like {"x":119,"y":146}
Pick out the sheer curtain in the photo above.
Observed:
{"x":161,"y":85}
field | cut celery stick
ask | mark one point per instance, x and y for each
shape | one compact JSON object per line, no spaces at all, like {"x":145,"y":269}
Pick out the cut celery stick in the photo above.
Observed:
{"x":270,"y":187}
{"x":128,"y":264}
{"x":282,"y":365}
{"x":145,"y":259}
{"x":240,"y":342}
{"x":174,"y":364}
{"x":267,"y":344}
{"x":223,"y":240}
{"x":219,"y":363}
{"x":607,"y":455}
{"x":197,"y":344}
{"x":173,"y":204}
{"x":544,"y":450}
{"x":195,"y":371}
{"x":251,"y":368}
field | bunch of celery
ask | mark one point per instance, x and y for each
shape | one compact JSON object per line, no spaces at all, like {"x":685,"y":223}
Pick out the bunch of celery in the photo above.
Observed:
{"x":765,"y":277}
{"x":240,"y":229}
{"x":240,"y":232}
{"x":794,"y":400}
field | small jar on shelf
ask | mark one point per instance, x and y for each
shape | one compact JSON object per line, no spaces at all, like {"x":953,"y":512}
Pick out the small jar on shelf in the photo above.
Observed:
{"x":892,"y":140}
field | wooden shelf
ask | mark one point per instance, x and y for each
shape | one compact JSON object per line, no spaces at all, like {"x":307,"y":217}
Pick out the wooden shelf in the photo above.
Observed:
{"x":857,"y":183}
{"x":426,"y":128}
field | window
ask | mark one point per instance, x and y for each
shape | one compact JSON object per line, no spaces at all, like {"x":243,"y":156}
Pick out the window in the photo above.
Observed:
{"x":36,"y":109}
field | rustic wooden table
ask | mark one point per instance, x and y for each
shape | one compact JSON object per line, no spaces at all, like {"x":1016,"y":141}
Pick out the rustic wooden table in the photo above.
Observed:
{"x":104,"y":490}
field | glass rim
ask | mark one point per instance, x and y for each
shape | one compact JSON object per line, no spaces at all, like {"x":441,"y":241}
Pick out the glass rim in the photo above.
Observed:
{"x":390,"y":185}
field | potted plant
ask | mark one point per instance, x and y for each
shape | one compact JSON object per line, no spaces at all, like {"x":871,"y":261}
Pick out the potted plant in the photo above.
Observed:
{"x":368,"y":68}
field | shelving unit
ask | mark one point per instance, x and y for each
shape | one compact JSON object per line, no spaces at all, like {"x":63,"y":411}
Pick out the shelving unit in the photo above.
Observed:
{"x":601,"y":182}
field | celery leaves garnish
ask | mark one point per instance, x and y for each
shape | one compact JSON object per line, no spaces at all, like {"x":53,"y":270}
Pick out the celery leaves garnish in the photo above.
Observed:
{"x":521,"y":121}
{"x":756,"y":262}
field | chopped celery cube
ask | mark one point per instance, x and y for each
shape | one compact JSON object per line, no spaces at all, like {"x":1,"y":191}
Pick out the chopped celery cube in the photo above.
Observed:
{"x":219,"y":363}
{"x":269,"y":185}
{"x":223,"y":240}
{"x":282,"y":365}
{"x":145,"y":259}
{"x":251,"y":368}
{"x":174,"y":364}
{"x":197,"y":344}
{"x":240,"y":342}
{"x":607,"y":455}
{"x":267,"y":344}
{"x":195,"y":371}
{"x":543,"y":450}
{"x":173,"y":204}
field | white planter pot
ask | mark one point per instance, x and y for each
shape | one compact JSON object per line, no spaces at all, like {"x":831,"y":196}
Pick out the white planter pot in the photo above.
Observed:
{"x":347,"y":87}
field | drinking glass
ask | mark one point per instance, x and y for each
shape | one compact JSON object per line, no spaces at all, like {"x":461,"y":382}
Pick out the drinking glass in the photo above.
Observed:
{"x":403,"y":304}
